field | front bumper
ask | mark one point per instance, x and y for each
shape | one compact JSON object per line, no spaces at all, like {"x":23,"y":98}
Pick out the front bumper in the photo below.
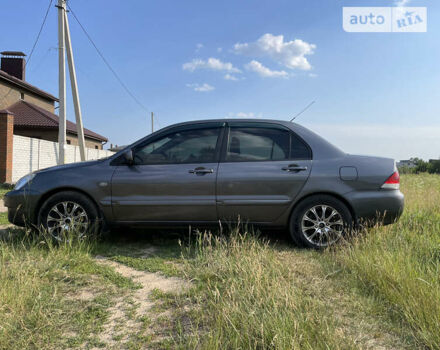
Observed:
{"x":21,"y":206}
{"x":382,"y":206}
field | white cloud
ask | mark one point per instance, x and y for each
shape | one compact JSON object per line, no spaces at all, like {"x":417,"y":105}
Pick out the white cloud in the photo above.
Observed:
{"x":219,"y":49}
{"x":211,"y":63}
{"x":263,"y":71}
{"x":230,"y":77}
{"x":313,"y":75}
{"x":290,"y":54}
{"x":201,"y":88}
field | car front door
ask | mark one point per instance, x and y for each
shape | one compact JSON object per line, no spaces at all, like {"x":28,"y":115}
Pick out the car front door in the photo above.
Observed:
{"x":263,"y":168}
{"x":172,"y":178}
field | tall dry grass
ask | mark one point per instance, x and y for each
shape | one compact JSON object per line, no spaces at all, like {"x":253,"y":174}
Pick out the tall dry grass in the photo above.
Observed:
{"x":248,"y":298}
{"x":400,"y":264}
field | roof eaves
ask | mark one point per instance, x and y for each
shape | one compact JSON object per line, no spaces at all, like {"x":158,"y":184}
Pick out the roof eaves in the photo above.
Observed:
{"x":53,"y":120}
{"x":89,"y":136}
{"x":15,"y":81}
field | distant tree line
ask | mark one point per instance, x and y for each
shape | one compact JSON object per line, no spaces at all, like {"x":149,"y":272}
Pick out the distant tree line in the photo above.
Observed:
{"x":421,"y":166}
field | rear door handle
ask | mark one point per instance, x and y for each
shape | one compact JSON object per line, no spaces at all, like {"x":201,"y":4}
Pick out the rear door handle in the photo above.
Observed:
{"x":294,"y":168}
{"x":201,"y":171}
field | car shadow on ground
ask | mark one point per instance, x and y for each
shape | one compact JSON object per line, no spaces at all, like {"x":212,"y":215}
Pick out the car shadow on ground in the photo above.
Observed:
{"x":169,"y":243}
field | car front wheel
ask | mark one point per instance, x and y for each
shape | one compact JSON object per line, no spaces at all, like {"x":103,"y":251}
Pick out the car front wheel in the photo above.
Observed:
{"x":320,"y":221}
{"x":67,"y":214}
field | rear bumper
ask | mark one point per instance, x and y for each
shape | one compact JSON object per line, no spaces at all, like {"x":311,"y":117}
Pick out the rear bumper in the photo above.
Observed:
{"x":21,"y":206}
{"x":382,"y":206}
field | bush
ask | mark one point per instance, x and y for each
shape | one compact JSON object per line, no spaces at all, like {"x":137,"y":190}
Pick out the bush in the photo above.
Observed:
{"x":432,"y":167}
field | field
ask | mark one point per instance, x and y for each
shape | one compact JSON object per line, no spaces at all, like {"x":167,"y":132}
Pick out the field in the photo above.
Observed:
{"x":232,"y":289}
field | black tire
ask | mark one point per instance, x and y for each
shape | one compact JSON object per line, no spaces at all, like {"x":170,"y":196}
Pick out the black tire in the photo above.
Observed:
{"x":306,"y":238}
{"x":93,"y":220}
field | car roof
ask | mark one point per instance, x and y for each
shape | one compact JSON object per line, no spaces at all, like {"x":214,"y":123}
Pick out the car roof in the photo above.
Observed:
{"x":322,"y":149}
{"x":235,"y":120}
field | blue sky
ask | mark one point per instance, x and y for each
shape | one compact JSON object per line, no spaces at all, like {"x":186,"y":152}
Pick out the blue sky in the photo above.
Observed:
{"x":376,"y":93}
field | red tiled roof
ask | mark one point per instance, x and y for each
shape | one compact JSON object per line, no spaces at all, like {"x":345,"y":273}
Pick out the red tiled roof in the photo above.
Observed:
{"x":27,"y":115}
{"x":25,"y":85}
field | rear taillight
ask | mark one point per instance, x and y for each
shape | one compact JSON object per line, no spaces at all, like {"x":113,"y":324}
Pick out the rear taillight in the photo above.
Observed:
{"x":393,"y":182}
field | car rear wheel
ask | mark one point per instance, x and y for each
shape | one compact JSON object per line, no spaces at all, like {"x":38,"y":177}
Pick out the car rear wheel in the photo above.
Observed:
{"x":69,"y":214}
{"x":320,"y":221}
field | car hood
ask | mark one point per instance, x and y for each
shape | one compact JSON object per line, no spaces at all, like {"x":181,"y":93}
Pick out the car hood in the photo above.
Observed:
{"x":69,"y":166}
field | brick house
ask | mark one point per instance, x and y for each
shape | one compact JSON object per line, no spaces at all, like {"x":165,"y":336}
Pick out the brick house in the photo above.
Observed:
{"x":33,"y":109}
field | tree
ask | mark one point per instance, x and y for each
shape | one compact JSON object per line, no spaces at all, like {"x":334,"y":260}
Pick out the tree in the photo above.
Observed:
{"x":434,"y":167}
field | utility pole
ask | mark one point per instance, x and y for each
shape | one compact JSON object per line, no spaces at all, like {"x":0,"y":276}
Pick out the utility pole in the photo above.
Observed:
{"x":152,"y":122}
{"x":74,"y":85}
{"x":61,"y":83}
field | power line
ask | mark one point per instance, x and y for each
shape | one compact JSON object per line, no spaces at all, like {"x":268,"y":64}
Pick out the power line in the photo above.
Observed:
{"x":41,"y":61}
{"x":106,"y":62}
{"x":39,"y":32}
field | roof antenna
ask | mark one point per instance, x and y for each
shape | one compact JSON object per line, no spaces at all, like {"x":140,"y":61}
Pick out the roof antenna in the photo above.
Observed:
{"x":307,"y":107}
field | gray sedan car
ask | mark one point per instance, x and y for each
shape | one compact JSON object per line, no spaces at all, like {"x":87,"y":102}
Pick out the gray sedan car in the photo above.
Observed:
{"x":267,"y":172}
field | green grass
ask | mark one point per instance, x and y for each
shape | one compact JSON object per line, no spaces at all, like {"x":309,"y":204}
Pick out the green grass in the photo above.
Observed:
{"x":153,"y":264}
{"x":4,"y":219}
{"x":39,"y":282}
{"x":4,"y":188}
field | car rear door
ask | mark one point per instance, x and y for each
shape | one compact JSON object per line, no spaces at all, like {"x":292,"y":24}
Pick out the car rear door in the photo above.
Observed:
{"x":172,"y":179}
{"x":263,"y":168}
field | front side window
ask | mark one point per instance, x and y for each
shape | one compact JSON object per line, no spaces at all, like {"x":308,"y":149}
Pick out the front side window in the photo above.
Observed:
{"x":188,"y":146}
{"x":257,"y":144}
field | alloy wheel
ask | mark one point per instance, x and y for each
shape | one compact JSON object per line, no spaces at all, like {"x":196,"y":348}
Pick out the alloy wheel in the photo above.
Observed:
{"x":65,"y":217}
{"x":322,"y":225}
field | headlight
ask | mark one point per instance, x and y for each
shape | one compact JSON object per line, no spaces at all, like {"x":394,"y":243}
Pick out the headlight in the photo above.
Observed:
{"x":24,"y":180}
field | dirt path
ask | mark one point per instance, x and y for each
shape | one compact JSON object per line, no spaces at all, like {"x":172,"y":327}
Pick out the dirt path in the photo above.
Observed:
{"x":122,"y":321}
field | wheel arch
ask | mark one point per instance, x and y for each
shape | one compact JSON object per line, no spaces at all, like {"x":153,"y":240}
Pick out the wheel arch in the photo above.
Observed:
{"x":331,"y":194}
{"x":50,"y":193}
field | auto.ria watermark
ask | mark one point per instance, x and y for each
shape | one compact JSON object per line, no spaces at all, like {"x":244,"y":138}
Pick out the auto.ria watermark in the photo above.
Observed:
{"x":384,"y":19}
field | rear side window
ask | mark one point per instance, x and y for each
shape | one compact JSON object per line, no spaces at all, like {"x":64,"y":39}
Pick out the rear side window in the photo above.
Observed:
{"x":246,"y":144}
{"x":257,"y":144}
{"x":298,"y":149}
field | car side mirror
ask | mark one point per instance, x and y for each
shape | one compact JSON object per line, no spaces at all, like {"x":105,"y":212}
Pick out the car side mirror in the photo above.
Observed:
{"x":128,"y":157}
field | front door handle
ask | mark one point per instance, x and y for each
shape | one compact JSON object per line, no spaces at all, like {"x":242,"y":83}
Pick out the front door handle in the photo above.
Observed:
{"x":294,"y":168}
{"x":201,"y":171}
